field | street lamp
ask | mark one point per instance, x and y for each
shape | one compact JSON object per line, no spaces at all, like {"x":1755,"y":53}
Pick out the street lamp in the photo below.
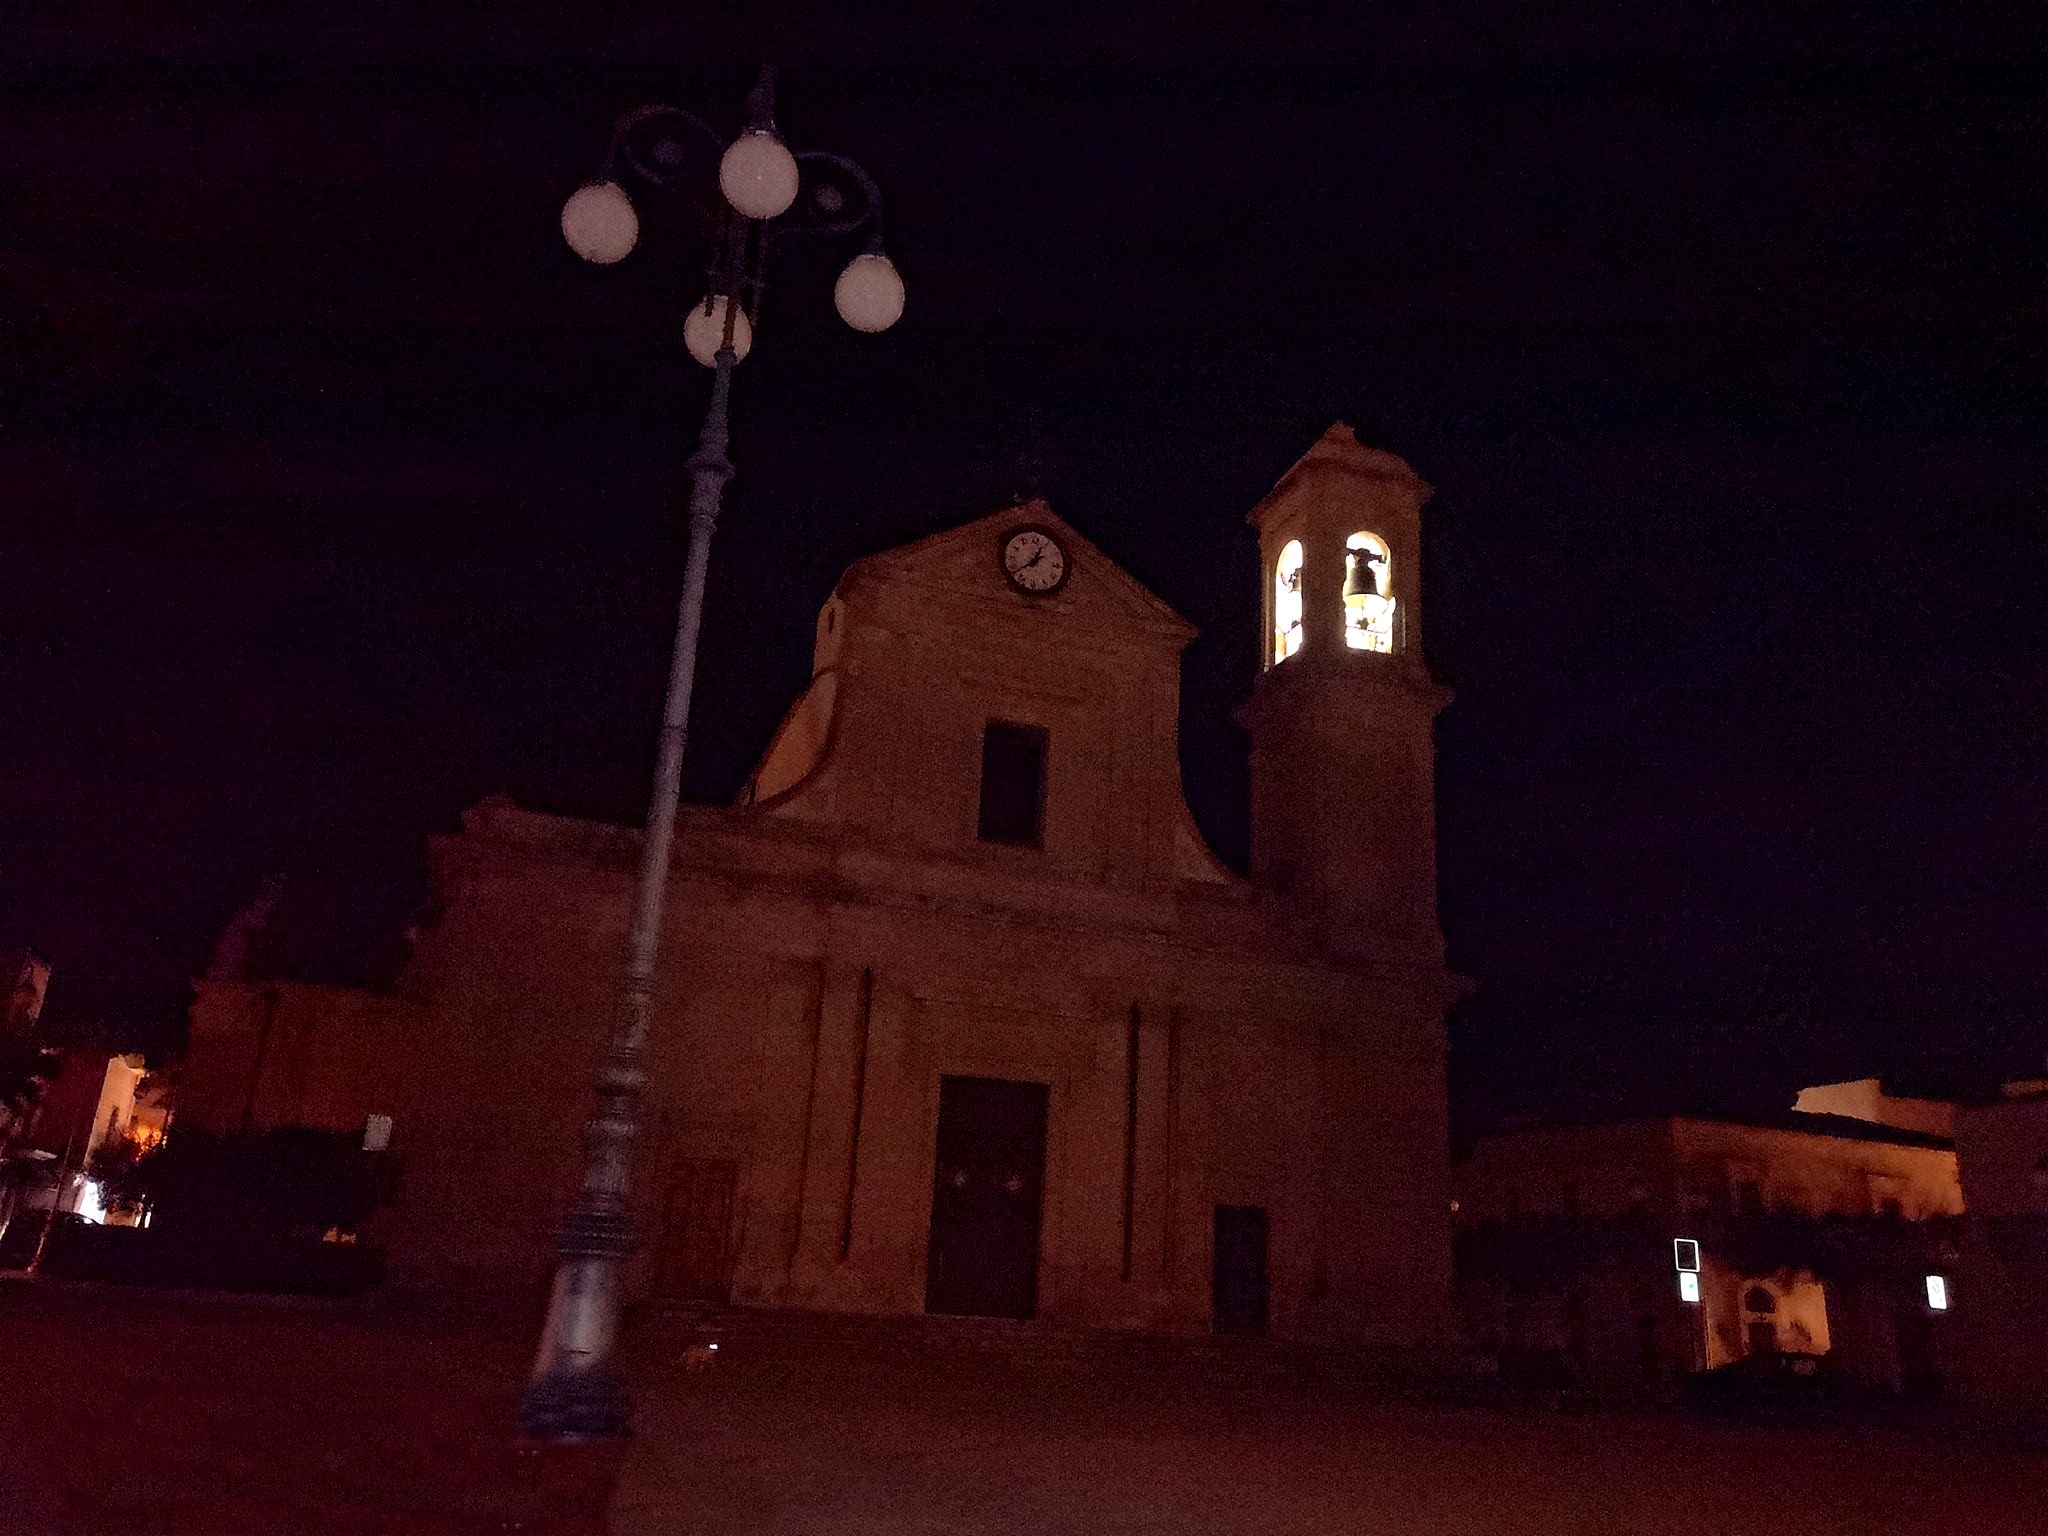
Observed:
{"x":574,"y":1393}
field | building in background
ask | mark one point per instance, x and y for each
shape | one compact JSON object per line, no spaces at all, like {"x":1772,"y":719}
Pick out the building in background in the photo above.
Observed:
{"x":96,"y":1106}
{"x":265,"y":1054}
{"x":1816,"y":1234}
{"x":2001,"y":1281}
{"x":1865,"y":1099}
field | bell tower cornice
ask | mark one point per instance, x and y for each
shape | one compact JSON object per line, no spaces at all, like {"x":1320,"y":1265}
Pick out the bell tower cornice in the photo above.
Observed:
{"x":1338,"y":455}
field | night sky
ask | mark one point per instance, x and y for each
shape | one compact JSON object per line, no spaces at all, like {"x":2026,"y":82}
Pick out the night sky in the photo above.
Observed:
{"x":336,"y":494}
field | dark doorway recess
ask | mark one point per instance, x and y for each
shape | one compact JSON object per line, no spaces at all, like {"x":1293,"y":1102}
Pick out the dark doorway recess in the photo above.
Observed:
{"x":1919,"y":1354}
{"x":1012,"y":785}
{"x":1240,"y":1274}
{"x":988,"y":1185}
{"x":693,"y":1261}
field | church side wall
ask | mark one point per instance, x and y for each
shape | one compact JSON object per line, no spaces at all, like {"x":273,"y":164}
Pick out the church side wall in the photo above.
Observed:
{"x":515,"y":982}
{"x":1387,"y":1134}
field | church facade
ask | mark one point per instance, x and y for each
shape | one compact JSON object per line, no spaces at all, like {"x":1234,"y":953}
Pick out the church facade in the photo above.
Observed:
{"x":957,"y":1013}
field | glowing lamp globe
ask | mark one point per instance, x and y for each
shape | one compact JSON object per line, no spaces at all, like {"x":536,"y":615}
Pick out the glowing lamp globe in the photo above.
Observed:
{"x":869,"y":293}
{"x":758,"y":175}
{"x":599,"y":223}
{"x":704,"y":331}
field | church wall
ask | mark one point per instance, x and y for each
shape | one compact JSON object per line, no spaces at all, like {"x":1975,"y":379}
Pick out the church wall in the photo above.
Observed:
{"x":1248,"y":1144}
{"x":844,"y":940}
{"x":756,"y":1054}
{"x":516,"y":981}
{"x":780,"y":1120}
{"x":1387,"y":1179}
{"x":905,"y":760}
{"x":943,"y":1005}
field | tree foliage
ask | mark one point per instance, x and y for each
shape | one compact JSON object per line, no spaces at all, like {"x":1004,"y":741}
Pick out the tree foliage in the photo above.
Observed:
{"x":27,"y":1067}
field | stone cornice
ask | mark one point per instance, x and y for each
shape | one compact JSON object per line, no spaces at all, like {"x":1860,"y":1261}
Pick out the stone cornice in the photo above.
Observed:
{"x":1206,"y":922}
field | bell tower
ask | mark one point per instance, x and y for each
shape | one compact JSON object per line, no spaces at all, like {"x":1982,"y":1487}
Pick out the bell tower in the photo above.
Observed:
{"x":1343,"y":755}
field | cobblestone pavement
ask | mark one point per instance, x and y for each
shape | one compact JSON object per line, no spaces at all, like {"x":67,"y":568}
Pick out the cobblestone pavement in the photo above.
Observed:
{"x":148,"y":1415}
{"x":803,"y":1427}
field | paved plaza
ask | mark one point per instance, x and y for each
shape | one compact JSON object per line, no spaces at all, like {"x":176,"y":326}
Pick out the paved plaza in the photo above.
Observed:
{"x":124,"y":1413}
{"x":798,"y":1431}
{"x":133,"y":1413}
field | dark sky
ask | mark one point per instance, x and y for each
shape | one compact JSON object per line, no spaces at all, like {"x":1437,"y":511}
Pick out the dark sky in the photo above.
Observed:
{"x":337,"y":494}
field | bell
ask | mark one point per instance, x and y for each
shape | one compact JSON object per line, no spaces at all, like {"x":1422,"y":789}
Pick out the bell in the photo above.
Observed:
{"x":1361,"y":580}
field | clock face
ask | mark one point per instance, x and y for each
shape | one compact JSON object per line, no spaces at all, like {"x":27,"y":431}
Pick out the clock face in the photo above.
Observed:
{"x":1034,"y":560}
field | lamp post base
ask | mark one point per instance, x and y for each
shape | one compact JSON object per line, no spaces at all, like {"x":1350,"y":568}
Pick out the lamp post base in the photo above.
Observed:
{"x":573,"y":1393}
{"x":569,"y":1406}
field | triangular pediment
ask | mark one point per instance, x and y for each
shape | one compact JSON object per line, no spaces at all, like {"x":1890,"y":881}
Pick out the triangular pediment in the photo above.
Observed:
{"x":964,"y":563}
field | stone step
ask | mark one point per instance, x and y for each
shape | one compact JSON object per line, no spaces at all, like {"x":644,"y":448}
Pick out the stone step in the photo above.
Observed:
{"x":788,"y":1331}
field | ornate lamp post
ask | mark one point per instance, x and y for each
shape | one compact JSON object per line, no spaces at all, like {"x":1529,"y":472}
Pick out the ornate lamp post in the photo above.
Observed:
{"x":765,"y":190}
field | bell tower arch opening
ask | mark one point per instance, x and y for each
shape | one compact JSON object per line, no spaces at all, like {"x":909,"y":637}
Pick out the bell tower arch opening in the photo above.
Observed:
{"x":1287,"y":601}
{"x":1369,"y":607}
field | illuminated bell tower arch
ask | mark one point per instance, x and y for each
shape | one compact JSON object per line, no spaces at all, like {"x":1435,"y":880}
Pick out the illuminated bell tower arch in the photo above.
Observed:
{"x":1342,"y":719}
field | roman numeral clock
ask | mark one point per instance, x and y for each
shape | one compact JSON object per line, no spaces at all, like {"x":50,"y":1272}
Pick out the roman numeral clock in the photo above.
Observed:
{"x":1034,"y":561}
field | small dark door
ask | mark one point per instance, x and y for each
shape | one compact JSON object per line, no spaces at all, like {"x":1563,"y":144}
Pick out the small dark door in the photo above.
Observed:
{"x":988,"y":1183}
{"x":1919,"y":1358}
{"x":694,"y":1259}
{"x":1240,"y":1270}
{"x":1649,"y":1353}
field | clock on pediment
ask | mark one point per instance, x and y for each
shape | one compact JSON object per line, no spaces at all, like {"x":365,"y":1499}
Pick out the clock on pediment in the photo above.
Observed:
{"x":1033,"y":560}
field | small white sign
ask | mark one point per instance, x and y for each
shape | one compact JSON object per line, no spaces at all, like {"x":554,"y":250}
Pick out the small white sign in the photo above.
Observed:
{"x":1689,"y":1285}
{"x":1937,"y":1293}
{"x":377,"y":1133}
{"x":1685,"y":1254}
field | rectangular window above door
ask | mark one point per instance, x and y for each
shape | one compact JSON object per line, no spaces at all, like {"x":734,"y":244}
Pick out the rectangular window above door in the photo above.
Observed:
{"x":1012,"y":785}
